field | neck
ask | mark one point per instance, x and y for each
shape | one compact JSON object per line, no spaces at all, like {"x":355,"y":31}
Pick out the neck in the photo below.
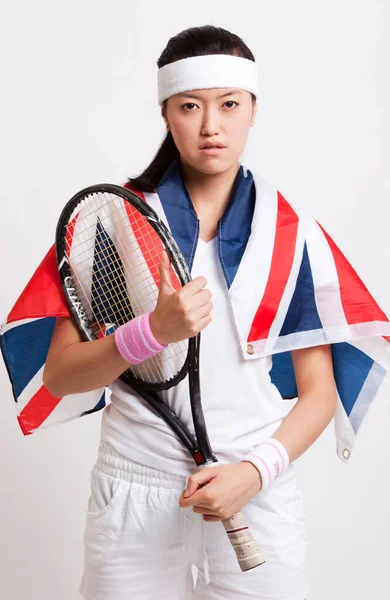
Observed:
{"x":209,"y":193}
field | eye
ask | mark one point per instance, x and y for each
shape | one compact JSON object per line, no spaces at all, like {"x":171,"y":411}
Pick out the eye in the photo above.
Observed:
{"x":188,"y":104}
{"x":231,"y":102}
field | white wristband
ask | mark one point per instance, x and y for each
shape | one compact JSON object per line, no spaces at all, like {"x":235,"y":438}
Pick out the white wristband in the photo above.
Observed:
{"x":270,"y":458}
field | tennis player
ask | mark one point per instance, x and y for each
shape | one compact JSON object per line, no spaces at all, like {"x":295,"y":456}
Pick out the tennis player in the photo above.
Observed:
{"x":150,"y":518}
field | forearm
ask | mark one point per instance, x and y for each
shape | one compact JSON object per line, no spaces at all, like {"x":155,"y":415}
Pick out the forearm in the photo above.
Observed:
{"x":84,"y":366}
{"x":305,"y":422}
{"x":301,"y":427}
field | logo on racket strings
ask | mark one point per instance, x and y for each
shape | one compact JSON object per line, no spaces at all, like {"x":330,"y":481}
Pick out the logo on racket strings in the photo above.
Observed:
{"x":78,"y":307}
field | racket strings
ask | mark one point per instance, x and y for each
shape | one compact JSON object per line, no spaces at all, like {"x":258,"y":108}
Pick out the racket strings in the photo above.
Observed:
{"x":140,"y":278}
{"x":102,"y":291}
{"x":122,"y":307}
{"x":114,"y":256}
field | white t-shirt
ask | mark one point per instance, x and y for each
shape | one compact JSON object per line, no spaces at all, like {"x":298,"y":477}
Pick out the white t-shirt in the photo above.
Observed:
{"x":241,"y":408}
{"x":241,"y":405}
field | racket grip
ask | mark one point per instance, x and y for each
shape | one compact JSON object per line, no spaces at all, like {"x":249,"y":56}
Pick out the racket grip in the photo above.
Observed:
{"x":248,"y":554}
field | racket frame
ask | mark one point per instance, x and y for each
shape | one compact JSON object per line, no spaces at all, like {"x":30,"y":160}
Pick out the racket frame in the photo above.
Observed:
{"x":199,"y":448}
{"x":247,"y":552}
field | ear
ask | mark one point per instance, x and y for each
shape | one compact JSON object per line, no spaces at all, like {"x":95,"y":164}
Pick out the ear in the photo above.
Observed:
{"x":163,"y":114}
{"x":254,"y":109}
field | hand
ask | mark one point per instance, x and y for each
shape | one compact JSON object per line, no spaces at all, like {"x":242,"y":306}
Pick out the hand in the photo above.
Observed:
{"x":179,"y":314}
{"x":220,"y":491}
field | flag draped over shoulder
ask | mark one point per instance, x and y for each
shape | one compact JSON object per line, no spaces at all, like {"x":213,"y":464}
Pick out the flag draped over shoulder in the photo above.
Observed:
{"x":314,"y":296}
{"x":289,"y":284}
{"x":25,"y":339}
{"x":290,"y":287}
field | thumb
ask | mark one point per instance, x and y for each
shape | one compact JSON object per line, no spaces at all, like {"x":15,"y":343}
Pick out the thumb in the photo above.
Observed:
{"x":165,"y":275}
{"x":198,"y":480}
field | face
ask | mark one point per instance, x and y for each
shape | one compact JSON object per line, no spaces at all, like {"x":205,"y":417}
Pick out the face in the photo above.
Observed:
{"x":218,"y":115}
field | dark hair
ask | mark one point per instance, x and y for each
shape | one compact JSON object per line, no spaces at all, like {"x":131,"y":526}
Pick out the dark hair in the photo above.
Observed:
{"x":194,"y":41}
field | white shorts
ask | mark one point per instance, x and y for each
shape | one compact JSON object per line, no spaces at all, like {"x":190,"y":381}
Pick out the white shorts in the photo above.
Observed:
{"x":141,"y":545}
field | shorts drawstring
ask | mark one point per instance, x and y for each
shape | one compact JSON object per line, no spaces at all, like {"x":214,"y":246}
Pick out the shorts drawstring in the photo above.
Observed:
{"x":182,"y":517}
{"x":205,"y":557}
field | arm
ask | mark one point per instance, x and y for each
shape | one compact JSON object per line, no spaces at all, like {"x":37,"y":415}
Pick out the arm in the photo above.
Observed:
{"x":315,"y":408}
{"x":74,"y":366}
{"x":316,"y":403}
{"x":235,"y":484}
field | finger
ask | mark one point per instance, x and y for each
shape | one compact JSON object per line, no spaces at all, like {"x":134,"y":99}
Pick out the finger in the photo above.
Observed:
{"x":195,"y":491}
{"x":191,"y":488}
{"x":204,"y":310}
{"x":205,"y":321}
{"x":201,"y":298}
{"x":164,"y":271}
{"x":203,"y":510}
{"x":195,"y":285}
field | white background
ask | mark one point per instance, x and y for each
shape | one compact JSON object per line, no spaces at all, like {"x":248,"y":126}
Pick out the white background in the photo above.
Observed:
{"x":79,"y":106}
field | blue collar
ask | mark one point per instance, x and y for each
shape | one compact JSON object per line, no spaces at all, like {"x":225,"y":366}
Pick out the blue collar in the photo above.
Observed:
{"x":233,"y":228}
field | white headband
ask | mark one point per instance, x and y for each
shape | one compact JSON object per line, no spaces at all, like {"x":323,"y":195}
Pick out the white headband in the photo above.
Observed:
{"x":205,"y":72}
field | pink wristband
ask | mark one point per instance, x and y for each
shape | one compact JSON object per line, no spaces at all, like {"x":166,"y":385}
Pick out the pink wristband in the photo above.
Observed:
{"x":271,"y":460}
{"x":135,"y":340}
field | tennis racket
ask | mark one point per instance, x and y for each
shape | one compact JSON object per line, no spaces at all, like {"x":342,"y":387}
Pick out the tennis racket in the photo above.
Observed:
{"x":108,"y":245}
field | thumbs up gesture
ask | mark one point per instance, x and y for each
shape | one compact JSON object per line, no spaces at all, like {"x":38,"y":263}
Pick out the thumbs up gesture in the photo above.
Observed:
{"x":179,"y":314}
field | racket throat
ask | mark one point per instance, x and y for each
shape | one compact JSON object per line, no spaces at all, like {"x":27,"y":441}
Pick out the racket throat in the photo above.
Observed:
{"x":200,"y":458}
{"x":204,"y":454}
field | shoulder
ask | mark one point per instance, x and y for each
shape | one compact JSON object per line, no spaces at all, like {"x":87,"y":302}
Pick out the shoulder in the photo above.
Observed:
{"x":284,"y":203}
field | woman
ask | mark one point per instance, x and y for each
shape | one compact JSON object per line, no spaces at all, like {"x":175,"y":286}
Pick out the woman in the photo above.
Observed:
{"x":139,"y":518}
{"x":149,"y":517}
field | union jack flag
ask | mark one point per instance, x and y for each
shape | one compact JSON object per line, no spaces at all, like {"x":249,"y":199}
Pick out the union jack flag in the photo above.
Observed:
{"x":25,"y":340}
{"x":290,"y":287}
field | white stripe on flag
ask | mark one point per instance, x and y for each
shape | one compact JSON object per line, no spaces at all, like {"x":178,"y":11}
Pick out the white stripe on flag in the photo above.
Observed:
{"x":290,"y":285}
{"x":377,"y":348}
{"x":350,"y":334}
{"x":8,"y":326}
{"x":255,"y":263}
{"x":154,"y":202}
{"x":345,"y":435}
{"x":30,"y":390}
{"x":367,"y":393}
{"x":71,"y":407}
{"x":325,"y":278}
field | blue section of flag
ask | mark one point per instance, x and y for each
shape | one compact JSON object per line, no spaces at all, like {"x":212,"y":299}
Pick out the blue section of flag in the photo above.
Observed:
{"x":25,"y":349}
{"x":283,"y":376}
{"x":101,"y":404}
{"x":351,"y":367}
{"x":233,"y":228}
{"x":302,"y":314}
{"x":179,"y":210}
{"x":108,"y":276}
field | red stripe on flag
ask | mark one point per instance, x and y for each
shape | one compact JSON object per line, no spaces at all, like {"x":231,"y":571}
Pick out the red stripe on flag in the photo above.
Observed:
{"x":358,"y":304}
{"x":148,"y":241}
{"x":282,"y":260}
{"x":43,"y":296}
{"x":37,"y":410}
{"x":102,"y":332}
{"x":69,"y":233}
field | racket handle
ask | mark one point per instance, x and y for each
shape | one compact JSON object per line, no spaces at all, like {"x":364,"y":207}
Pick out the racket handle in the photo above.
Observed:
{"x":248,"y":554}
{"x":245,"y":547}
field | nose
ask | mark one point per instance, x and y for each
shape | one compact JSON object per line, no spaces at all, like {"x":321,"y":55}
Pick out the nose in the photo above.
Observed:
{"x":210,"y":122}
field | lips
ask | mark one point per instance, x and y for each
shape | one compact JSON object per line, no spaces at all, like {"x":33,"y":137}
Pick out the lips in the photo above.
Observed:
{"x":210,"y":145}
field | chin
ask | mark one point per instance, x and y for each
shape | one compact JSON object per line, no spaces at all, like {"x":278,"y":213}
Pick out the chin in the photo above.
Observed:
{"x":212,"y":165}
